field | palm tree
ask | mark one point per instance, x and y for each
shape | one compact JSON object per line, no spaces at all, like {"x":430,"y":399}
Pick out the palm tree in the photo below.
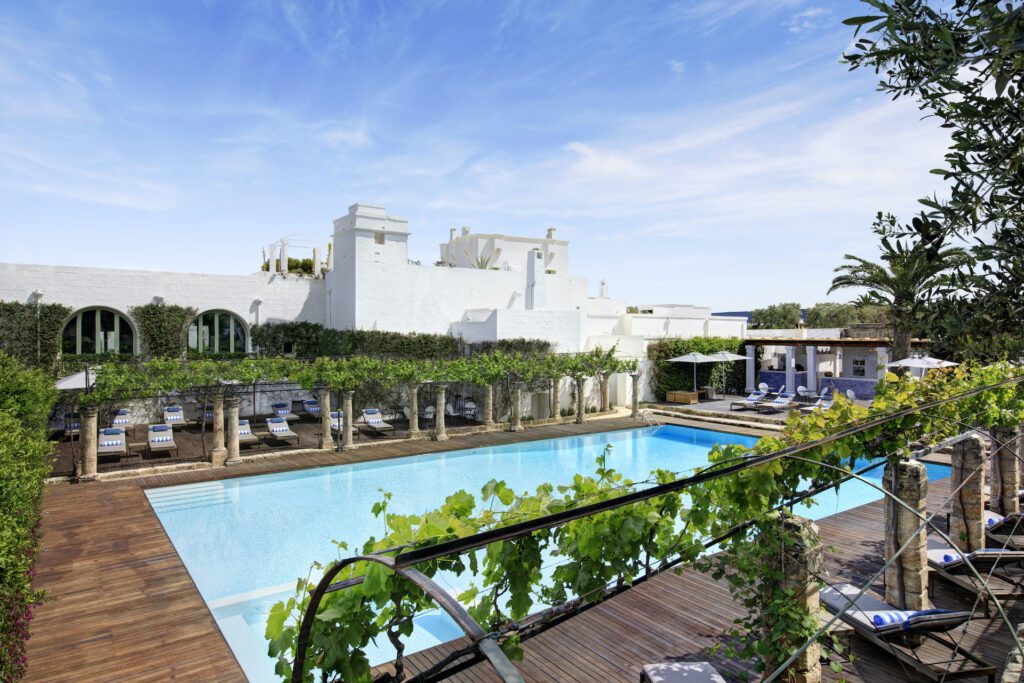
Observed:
{"x":909,"y":271}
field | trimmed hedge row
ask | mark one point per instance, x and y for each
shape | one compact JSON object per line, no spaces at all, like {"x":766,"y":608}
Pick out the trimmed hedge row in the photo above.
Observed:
{"x":26,"y":399}
{"x":312,"y":340}
{"x":32,"y":334}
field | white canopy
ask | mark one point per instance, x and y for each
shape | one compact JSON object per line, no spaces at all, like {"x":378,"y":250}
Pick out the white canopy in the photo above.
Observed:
{"x":727,"y":356}
{"x":921,"y":362}
{"x":82,"y":380}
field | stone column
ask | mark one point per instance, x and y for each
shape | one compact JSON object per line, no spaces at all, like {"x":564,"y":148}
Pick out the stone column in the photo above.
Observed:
{"x":414,"y":410}
{"x":967,"y":521}
{"x":1005,"y":471}
{"x":800,"y":563}
{"x":556,"y":397}
{"x":751,"y":369}
{"x":232,"y":404}
{"x":488,"y":404}
{"x":882,"y":356}
{"x":346,"y":429}
{"x":326,"y":437}
{"x":812,"y":367}
{"x":1013,"y":672}
{"x":517,"y":408}
{"x":581,"y":385}
{"x":219,"y":454}
{"x":906,"y":579}
{"x":605,"y":399}
{"x":791,"y":369}
{"x":635,"y":403}
{"x":440,"y":431}
{"x":89,"y":442}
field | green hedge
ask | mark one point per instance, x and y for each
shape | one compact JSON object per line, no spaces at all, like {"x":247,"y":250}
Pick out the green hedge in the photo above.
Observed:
{"x":667,"y":376}
{"x":35,"y":341}
{"x":309,"y":340}
{"x":26,"y":399}
{"x":163,"y":329}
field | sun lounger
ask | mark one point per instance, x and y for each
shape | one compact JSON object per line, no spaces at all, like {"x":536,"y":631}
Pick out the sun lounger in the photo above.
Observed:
{"x":680,"y":672}
{"x":112,"y":441}
{"x":823,"y":403}
{"x":311,"y":407}
{"x":206,"y":414}
{"x":373,"y":419}
{"x":887,"y":627}
{"x":122,"y":419}
{"x":749,"y":402}
{"x":1004,"y":532}
{"x":1001,"y":568}
{"x":174,"y":416}
{"x":280,"y":431}
{"x":783,"y":401}
{"x":160,"y":438}
{"x":284,"y":410}
{"x":72,"y":425}
{"x":245,"y":435}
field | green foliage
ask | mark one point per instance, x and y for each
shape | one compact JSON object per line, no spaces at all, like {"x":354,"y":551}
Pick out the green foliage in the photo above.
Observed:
{"x":163,"y":329}
{"x":667,"y":376}
{"x":308,"y":340}
{"x":829,"y":314}
{"x":962,"y":62}
{"x":32,"y":333}
{"x":300,"y":266}
{"x":775,"y":317}
{"x":612,"y":548}
{"x":26,"y":398}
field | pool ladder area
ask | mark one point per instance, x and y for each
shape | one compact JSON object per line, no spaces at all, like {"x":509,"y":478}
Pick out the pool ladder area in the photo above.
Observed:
{"x":649,"y":418}
{"x":190,"y":497}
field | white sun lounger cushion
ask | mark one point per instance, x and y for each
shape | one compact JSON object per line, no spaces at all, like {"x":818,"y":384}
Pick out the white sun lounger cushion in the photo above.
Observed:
{"x":682,"y":672}
{"x":882,"y":618}
{"x":950,"y":558}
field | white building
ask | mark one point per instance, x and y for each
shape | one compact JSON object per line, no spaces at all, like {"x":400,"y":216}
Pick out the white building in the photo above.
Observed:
{"x":484,"y":287}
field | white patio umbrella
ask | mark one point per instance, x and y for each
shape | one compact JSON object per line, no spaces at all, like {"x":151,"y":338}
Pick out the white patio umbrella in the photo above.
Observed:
{"x":727,"y":356}
{"x":84,"y":379}
{"x":921,"y":363}
{"x":694,"y":357}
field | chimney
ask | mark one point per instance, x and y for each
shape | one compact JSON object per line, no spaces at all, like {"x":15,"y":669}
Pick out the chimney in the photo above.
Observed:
{"x":284,"y":256}
{"x":316,"y":261}
{"x":551,"y":233}
{"x":272,"y":258}
{"x":465,"y":231}
{"x":451,"y":234}
{"x":604,"y":289}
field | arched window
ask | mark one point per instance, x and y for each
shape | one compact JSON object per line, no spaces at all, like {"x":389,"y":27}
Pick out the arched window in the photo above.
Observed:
{"x":98,"y":330}
{"x":217,"y":332}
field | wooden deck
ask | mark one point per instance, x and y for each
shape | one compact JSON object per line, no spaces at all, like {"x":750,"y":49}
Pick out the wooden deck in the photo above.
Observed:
{"x":121,"y":605}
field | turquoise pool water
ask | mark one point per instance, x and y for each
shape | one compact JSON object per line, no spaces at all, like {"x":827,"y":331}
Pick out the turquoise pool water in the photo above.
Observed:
{"x":245,"y":541}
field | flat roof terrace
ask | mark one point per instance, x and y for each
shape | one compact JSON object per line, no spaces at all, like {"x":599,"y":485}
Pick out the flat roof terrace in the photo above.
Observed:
{"x":120,"y":603}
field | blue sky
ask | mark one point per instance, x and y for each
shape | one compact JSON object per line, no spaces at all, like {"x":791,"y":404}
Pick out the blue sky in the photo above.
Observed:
{"x":703,"y":152}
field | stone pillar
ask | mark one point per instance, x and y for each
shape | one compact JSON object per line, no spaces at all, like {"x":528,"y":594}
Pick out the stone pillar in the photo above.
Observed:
{"x":414,"y":410}
{"x":556,"y":397}
{"x":812,"y":367}
{"x":791,"y":369}
{"x":517,"y":407}
{"x":882,"y":354}
{"x":488,"y":403}
{"x":906,"y":579}
{"x":605,"y":399}
{"x":89,"y":442}
{"x":800,"y":563}
{"x":1013,"y":672}
{"x":967,"y":520}
{"x":751,"y":369}
{"x":1005,"y":471}
{"x":219,"y":454}
{"x":635,"y":402}
{"x":232,"y":422}
{"x":440,"y":432}
{"x":326,"y":438}
{"x":581,"y":386}
{"x":346,"y":428}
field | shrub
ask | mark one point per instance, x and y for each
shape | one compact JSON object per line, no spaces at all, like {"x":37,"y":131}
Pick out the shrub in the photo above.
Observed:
{"x":31,"y":334}
{"x":163,"y":329}
{"x":667,"y":376}
{"x":26,"y":398}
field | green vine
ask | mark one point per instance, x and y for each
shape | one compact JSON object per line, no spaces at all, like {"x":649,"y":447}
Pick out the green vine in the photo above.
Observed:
{"x":31,"y":333}
{"x":163,"y":329}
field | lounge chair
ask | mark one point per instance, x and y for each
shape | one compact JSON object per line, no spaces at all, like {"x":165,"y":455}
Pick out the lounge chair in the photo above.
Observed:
{"x":174,"y":416}
{"x":122,"y":418}
{"x":427,"y":415}
{"x":206,"y":414}
{"x":749,"y":402}
{"x":245,"y":435}
{"x":284,"y":410}
{"x":680,"y":672}
{"x":112,"y":441}
{"x":783,"y":401}
{"x":469,"y":410}
{"x":280,"y":431}
{"x":823,"y":403}
{"x":72,"y":425}
{"x":160,"y":438}
{"x":994,"y":564}
{"x":1004,"y":532}
{"x":373,"y":419}
{"x":311,"y":407}
{"x":887,"y":627}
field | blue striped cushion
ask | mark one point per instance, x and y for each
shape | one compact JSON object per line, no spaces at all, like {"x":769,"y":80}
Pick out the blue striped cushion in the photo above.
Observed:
{"x":159,"y":428}
{"x":895,"y":616}
{"x":161,"y":439}
{"x":111,"y":443}
{"x":243,"y":431}
{"x":278,"y":429}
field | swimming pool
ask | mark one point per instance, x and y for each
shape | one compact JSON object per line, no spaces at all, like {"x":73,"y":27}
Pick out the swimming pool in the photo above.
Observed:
{"x":245,"y":541}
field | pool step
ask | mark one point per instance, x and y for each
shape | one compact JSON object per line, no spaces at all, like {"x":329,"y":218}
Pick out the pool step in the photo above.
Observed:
{"x":177,"y":498}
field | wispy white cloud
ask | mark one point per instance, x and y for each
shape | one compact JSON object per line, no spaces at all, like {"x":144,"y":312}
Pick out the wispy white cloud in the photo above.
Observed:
{"x":676,"y":66}
{"x":808,"y":19}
